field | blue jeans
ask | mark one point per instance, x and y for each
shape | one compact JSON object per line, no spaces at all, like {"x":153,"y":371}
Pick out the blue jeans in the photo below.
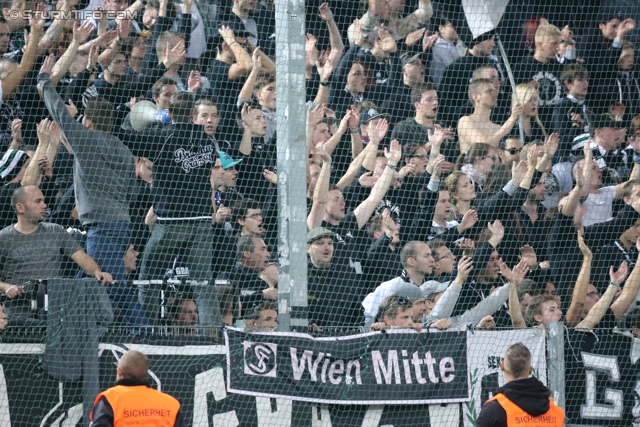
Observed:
{"x":107,"y":244}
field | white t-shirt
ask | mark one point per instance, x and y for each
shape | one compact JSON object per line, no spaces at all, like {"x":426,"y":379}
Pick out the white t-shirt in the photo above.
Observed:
{"x":599,"y":206}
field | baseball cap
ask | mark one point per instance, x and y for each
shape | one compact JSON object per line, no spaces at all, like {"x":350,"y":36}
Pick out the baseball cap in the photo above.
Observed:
{"x":318,"y":233}
{"x":370,"y":114}
{"x":227,"y":161}
{"x":433,"y":287}
{"x":407,"y":58}
{"x":601,"y":121}
{"x":11,"y":163}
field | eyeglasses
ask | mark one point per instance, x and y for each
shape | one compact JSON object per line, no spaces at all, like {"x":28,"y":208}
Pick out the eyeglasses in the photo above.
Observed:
{"x":494,"y":158}
{"x":635,"y":137}
{"x":420,"y":156}
{"x":593,"y":294}
{"x":255,"y":216}
{"x":447,"y":255}
{"x":513,"y":151}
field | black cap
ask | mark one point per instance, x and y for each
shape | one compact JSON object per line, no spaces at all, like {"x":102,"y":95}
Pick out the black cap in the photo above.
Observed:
{"x":601,"y":121}
{"x":367,"y":115}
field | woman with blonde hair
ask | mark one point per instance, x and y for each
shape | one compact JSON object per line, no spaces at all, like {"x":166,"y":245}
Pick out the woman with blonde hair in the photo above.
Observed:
{"x":528,"y":97}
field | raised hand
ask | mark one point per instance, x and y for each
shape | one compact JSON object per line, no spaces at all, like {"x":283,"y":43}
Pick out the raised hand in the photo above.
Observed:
{"x":47,"y":66}
{"x":496,"y":229}
{"x":414,"y":37}
{"x":358,"y":36}
{"x":407,"y":170}
{"x":438,"y":135}
{"x":380,"y":131}
{"x":310,"y":49}
{"x":94,"y":52}
{"x":315,"y":114}
{"x":528,"y":254}
{"x":466,"y":244}
{"x":105,"y":39}
{"x":469,"y":219}
{"x":324,"y":12}
{"x":82,"y":32}
{"x":256,"y":59}
{"x":394,"y":153}
{"x":227,"y":34}
{"x":387,"y":43}
{"x":518,"y":171}
{"x":354,"y":121}
{"x":322,"y":153}
{"x":465,"y":265}
{"x":124,"y":28}
{"x":551,"y":144}
{"x":625,"y":26}
{"x":223,"y":214}
{"x":428,"y":41}
{"x":620,"y":275}
{"x":38,"y":19}
{"x":368,"y":179}
{"x":175,"y":55}
{"x":436,"y":166}
{"x":586,"y":252}
{"x":516,"y":275}
{"x":195,"y":81}
{"x":16,"y":130}
{"x":45,"y":130}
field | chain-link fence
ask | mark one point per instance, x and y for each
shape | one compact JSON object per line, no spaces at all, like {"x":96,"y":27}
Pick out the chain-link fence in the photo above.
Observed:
{"x":321,"y":213}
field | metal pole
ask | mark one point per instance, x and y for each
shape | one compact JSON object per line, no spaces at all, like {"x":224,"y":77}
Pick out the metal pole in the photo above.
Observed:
{"x":513,"y":83}
{"x":555,"y":376}
{"x":292,"y":157}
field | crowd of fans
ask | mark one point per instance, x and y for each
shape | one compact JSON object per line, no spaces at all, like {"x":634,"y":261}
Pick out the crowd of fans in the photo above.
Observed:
{"x":439,"y":194}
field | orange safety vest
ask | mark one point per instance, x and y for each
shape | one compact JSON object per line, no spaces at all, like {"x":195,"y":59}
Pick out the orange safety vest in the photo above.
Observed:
{"x":554,"y":417}
{"x":140,"y":406}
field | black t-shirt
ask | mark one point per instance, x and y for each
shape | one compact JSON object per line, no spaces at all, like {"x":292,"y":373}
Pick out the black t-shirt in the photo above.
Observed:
{"x":226,"y":93}
{"x":347,"y":242}
{"x":7,"y":214}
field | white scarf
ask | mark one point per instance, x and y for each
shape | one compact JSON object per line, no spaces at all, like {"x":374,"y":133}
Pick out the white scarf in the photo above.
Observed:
{"x":473,"y":174}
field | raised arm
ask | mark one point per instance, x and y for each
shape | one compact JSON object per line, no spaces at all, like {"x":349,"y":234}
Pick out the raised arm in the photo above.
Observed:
{"x":444,"y":307}
{"x":333,"y":142}
{"x":630,"y":290}
{"x":246,"y":93}
{"x":568,"y":204}
{"x":598,"y":311}
{"x":635,"y":174}
{"x":515,"y":277}
{"x":335,"y":39}
{"x":365,"y":209}
{"x":243,"y":64}
{"x":575,"y":312}
{"x":321,"y":191}
{"x":14,"y":79}
{"x":48,"y":142}
{"x":80,"y":34}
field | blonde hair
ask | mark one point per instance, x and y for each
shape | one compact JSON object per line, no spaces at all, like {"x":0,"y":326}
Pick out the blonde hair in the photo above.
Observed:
{"x":525,"y":92}
{"x":545,"y":31}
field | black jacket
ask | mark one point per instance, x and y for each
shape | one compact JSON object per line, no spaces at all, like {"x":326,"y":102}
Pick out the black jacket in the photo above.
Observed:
{"x":529,"y":394}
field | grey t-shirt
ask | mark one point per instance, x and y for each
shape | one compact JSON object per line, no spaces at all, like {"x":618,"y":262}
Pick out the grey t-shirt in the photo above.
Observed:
{"x":37,"y":255}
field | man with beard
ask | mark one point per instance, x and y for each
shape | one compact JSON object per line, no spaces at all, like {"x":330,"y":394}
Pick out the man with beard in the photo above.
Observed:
{"x":30,"y":249}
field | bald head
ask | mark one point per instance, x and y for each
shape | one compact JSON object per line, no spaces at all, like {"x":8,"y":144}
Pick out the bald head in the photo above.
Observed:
{"x":133,"y":364}
{"x":19,"y":195}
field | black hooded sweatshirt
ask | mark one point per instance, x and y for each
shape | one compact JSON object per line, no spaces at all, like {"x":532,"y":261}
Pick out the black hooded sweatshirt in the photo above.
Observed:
{"x":529,"y":394}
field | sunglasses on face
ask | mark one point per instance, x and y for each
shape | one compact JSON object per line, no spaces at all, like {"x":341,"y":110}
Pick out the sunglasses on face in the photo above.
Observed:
{"x":593,"y":294}
{"x":513,"y":151}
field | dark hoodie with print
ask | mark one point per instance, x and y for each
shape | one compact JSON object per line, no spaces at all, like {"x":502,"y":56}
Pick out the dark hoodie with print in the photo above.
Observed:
{"x":529,"y":394}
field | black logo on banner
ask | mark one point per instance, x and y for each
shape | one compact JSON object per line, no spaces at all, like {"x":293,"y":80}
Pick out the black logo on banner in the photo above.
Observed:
{"x":260,"y":358}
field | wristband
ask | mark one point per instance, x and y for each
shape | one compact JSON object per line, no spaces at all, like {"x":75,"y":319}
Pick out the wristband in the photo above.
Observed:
{"x":324,"y":83}
{"x":355,"y":132}
{"x":395,"y":168}
{"x":612,"y":283}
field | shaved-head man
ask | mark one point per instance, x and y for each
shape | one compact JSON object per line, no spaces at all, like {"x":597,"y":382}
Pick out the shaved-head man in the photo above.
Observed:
{"x":132,"y":401}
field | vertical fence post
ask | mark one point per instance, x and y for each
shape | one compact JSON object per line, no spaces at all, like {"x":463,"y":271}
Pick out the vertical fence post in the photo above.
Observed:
{"x":556,"y":378}
{"x":292,"y":157}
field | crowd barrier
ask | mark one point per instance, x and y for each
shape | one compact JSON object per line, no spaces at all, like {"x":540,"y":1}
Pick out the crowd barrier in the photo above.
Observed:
{"x":224,"y":386}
